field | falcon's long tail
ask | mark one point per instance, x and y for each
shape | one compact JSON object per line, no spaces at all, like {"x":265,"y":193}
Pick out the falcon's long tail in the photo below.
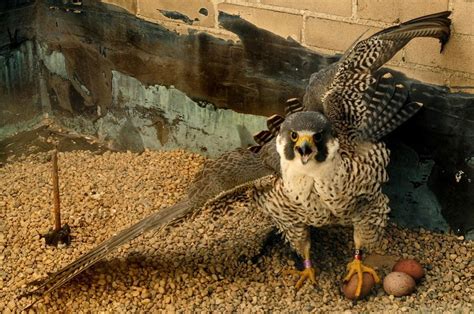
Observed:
{"x":154,"y":221}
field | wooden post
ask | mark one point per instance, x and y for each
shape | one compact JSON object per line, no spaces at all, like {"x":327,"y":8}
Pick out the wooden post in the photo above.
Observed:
{"x":56,"y":208}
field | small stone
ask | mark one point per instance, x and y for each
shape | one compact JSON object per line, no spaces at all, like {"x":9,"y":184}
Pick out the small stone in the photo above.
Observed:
{"x":11,"y":305}
{"x":145,"y":294}
{"x":448,"y":277}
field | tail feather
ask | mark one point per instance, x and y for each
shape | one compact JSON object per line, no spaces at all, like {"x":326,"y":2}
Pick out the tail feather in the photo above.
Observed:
{"x":390,"y":40}
{"x":405,"y":113}
{"x":385,"y":104}
{"x":380,"y":93}
{"x":293,"y":105}
{"x":388,"y":112}
{"x":392,"y":104}
{"x":263,"y":137}
{"x":435,"y":25}
{"x":273,"y":124}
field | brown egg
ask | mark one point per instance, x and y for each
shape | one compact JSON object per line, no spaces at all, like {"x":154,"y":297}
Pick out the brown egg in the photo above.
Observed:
{"x":398,"y":284}
{"x":410,"y":267}
{"x":349,"y":288}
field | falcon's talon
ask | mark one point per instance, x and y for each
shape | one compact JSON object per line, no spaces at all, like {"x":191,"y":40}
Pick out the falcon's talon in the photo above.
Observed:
{"x":307,"y":273}
{"x":357,"y":268}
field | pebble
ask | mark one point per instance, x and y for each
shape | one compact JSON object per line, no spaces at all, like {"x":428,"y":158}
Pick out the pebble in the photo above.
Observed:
{"x":11,"y":305}
{"x":201,"y":265}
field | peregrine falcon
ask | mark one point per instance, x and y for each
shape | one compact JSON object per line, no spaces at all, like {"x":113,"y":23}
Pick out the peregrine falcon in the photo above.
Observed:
{"x":332,"y":162}
{"x":321,"y":164}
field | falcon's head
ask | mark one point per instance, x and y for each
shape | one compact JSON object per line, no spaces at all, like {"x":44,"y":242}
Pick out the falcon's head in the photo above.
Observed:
{"x":306,"y":137}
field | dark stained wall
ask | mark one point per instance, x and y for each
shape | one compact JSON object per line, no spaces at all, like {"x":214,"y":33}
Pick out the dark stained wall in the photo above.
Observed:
{"x":18,"y":81}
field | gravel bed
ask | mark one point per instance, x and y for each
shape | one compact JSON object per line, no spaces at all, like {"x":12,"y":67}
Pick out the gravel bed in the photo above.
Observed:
{"x":226,"y":258}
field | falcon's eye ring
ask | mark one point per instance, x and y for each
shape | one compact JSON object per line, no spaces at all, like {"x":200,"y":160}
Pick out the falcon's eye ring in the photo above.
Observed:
{"x":294,"y":136}
{"x":318,"y":137}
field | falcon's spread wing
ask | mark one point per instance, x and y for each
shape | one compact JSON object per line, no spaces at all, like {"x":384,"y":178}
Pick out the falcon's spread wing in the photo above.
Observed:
{"x":386,"y":108}
{"x":345,"y":102}
{"x":233,"y":170}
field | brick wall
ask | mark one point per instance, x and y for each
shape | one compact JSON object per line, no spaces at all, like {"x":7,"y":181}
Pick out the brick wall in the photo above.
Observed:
{"x":330,"y":26}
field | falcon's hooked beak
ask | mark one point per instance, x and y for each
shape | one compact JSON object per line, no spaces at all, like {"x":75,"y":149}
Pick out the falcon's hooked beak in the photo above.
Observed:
{"x":306,"y":148}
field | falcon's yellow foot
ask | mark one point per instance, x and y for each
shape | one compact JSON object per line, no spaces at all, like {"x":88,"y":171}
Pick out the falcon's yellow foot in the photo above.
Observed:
{"x":356,"y":267}
{"x":307,"y":273}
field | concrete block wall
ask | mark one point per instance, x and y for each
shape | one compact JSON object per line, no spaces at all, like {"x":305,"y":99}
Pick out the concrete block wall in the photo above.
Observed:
{"x":329,"y":27}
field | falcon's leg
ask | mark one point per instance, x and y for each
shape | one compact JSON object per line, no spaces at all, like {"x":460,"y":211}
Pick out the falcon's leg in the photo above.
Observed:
{"x":368,"y":231}
{"x":356,"y":267}
{"x":299,"y":238}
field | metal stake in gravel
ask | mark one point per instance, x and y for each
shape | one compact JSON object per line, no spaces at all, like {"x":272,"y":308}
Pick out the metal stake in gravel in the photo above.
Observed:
{"x":58,"y":234}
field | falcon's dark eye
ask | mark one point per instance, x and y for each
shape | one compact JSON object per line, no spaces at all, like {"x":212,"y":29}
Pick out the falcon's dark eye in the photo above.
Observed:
{"x":317,"y":137}
{"x":294,"y":136}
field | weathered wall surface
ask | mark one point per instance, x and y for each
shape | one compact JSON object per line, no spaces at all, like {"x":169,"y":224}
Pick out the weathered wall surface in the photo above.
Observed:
{"x":19,"y":86}
{"x":152,"y":74}
{"x":330,"y":27}
{"x":142,"y":114}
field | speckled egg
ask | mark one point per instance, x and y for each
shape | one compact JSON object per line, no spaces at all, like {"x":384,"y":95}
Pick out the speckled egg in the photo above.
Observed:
{"x":398,"y":284}
{"x":410,"y":267}
{"x":367,"y":284}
